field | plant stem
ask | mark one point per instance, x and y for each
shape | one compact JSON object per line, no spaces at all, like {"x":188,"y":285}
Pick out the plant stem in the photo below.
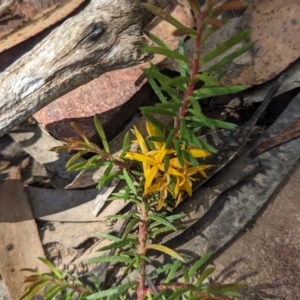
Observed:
{"x":194,"y":71}
{"x":141,"y":250}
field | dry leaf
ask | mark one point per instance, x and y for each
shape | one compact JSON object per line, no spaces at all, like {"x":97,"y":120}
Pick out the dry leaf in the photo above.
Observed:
{"x":275,"y":27}
{"x":20,"y":20}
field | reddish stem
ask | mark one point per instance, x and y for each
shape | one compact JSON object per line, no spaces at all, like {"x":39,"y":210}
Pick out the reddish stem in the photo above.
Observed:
{"x":141,"y":250}
{"x":194,"y":70}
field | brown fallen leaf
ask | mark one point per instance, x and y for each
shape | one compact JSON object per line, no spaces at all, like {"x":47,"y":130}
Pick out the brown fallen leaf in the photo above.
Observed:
{"x":20,"y":242}
{"x":20,"y":20}
{"x":274,"y":28}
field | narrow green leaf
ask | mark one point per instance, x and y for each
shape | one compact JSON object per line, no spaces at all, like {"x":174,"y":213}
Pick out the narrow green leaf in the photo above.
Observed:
{"x":82,"y":296}
{"x":160,"y":295}
{"x":175,"y":217}
{"x":129,"y":181}
{"x":164,"y":15}
{"x":51,"y":266}
{"x":109,"y":237}
{"x":213,"y":287}
{"x":51,"y":289}
{"x":163,"y":80}
{"x":171,"y":92}
{"x":158,"y":110}
{"x":184,"y":69}
{"x":182,"y":126}
{"x":156,"y":39}
{"x":59,"y":287}
{"x":122,"y":217}
{"x":108,"y":258}
{"x":232,"y":294}
{"x":76,"y":157}
{"x":95,"y":281}
{"x":170,"y":138}
{"x":115,"y":245}
{"x":193,"y":140}
{"x":162,"y":44}
{"x":231,"y":286}
{"x":185,"y":31}
{"x":157,"y":90}
{"x":101,"y":133}
{"x":213,"y":81}
{"x":113,"y":176}
{"x":190,"y":158}
{"x":36,"y":289}
{"x":179,"y":82}
{"x":130,"y":226}
{"x":103,"y":179}
{"x":161,"y":221}
{"x":93,"y":160}
{"x":126,"y":194}
{"x":165,"y":250}
{"x":203,"y":276}
{"x":179,"y":152}
{"x":185,"y":274}
{"x":208,"y":92}
{"x":196,"y":106}
{"x":159,"y":231}
{"x":156,"y":122}
{"x":145,"y":258}
{"x":160,"y":270}
{"x":220,"y":74}
{"x":165,"y":52}
{"x":166,"y":163}
{"x":225,"y":46}
{"x":221,"y":124}
{"x":77,"y":166}
{"x":156,"y":139}
{"x":178,"y":293}
{"x":111,"y":291}
{"x":230,"y":57}
{"x":123,"y":289}
{"x":169,"y":105}
{"x":199,"y":264}
{"x":173,"y":270}
{"x":126,"y":145}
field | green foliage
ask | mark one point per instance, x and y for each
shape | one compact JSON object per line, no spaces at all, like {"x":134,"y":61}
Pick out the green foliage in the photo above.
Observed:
{"x":160,"y":169}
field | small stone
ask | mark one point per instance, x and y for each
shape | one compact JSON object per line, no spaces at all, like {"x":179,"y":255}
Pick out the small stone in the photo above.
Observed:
{"x":61,"y":267}
{"x":82,"y":269}
{"x":71,"y":268}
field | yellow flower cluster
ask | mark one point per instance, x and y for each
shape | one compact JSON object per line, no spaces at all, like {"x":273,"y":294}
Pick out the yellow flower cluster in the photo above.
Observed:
{"x":156,"y":178}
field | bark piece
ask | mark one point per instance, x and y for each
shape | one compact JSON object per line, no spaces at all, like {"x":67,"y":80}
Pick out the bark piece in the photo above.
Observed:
{"x":104,"y":36}
{"x":20,"y":244}
{"x":73,"y":234}
{"x":285,"y":135}
{"x":69,"y":206}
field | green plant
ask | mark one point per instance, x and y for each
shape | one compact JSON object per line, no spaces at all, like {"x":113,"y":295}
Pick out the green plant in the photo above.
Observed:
{"x":159,"y":171}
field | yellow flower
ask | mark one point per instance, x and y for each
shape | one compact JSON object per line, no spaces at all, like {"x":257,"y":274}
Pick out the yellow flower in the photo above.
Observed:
{"x":156,"y":178}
